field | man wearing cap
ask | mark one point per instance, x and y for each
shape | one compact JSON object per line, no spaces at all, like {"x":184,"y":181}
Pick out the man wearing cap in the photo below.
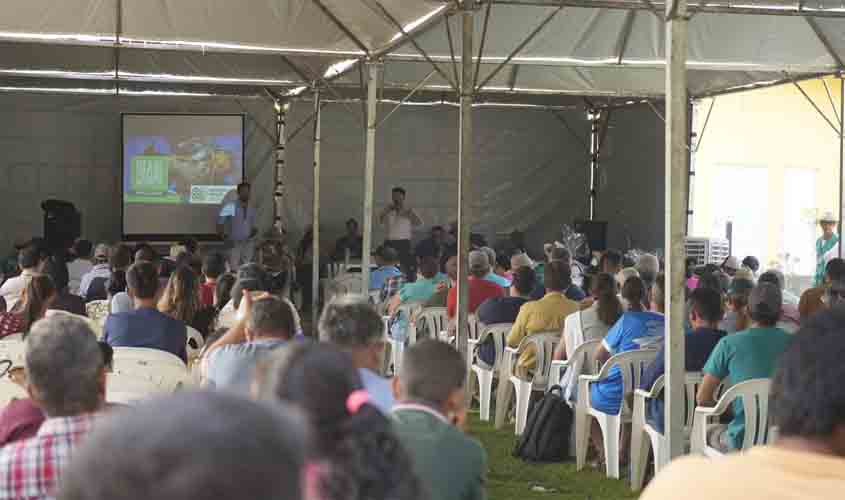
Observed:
{"x":387,"y":260}
{"x":827,"y":246}
{"x":479,"y":288}
{"x":100,"y":270}
{"x":730,"y":266}
{"x":747,"y":355}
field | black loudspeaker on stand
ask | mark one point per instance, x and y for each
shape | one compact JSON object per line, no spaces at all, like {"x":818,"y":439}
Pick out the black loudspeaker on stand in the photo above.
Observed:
{"x":62,"y":224}
{"x":596,"y":233}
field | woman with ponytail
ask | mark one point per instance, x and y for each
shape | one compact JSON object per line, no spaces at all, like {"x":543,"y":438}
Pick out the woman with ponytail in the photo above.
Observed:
{"x":592,"y":323}
{"x":356,"y":454}
{"x":35,"y":301}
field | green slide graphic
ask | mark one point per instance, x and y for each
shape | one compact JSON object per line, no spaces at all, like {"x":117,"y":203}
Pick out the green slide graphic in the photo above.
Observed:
{"x":150,"y":175}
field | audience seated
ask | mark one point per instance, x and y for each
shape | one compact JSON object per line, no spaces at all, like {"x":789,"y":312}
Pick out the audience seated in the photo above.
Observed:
{"x":504,"y":309}
{"x":387,"y":260}
{"x":545,"y":315}
{"x":181,"y":300}
{"x":492,"y":276}
{"x":746,"y":355}
{"x":705,"y":314}
{"x":266,"y":324}
{"x":200,"y":446}
{"x":29,"y":260}
{"x":611,"y":262}
{"x":808,"y":459}
{"x":790,"y":319}
{"x":145,"y":326}
{"x":213,"y":267}
{"x":352,"y":324}
{"x":648,"y":267}
{"x":737,"y":317}
{"x":418,"y":292}
{"x":356,"y":455}
{"x":812,"y":300}
{"x":92,"y":285}
{"x":572,"y":292}
{"x":63,"y":300}
{"x":66,"y":378}
{"x":119,"y":299}
{"x":503,"y":267}
{"x":635,"y":324}
{"x":479,"y":288}
{"x":35,"y":301}
{"x":429,"y":420}
{"x":441,"y":295}
{"x":79,"y":264}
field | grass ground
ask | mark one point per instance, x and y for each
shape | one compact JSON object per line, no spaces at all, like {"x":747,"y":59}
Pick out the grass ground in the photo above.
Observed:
{"x":514,"y":479}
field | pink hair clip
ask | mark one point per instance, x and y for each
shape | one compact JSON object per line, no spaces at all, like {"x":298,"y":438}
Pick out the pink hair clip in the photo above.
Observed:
{"x":356,"y":400}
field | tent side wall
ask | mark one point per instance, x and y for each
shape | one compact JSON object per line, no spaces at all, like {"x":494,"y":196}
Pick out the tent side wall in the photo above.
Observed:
{"x":533,"y":174}
{"x":631,"y":179}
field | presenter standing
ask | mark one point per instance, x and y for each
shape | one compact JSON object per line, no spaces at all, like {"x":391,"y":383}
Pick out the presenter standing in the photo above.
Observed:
{"x":236,"y":225}
{"x":827,"y":246}
{"x":399,"y":221}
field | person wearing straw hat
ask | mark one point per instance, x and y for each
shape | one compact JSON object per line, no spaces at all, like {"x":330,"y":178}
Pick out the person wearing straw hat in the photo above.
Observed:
{"x":827,"y":246}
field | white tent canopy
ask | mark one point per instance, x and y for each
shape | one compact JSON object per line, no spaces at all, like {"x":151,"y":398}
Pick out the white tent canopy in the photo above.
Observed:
{"x":612,"y":48}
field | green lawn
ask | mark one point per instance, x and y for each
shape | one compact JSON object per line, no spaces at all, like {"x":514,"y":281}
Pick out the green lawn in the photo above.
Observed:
{"x":513,"y":479}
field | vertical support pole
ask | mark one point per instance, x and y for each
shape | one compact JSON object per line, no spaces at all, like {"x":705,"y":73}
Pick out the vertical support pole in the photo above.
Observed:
{"x":282,"y":109}
{"x":594,"y":160}
{"x":841,"y":155}
{"x":465,"y":199}
{"x":315,"y":248}
{"x":691,"y":170}
{"x":373,"y":73}
{"x":677,"y":137}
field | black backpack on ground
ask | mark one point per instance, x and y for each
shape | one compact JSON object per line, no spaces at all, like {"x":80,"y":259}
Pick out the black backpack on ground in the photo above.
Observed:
{"x":547,"y":430}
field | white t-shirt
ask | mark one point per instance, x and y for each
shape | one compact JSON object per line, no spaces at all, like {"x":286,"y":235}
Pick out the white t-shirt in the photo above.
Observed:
{"x":398,"y":226}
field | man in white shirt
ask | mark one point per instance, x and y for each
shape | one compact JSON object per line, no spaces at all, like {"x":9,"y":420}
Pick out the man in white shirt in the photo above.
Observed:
{"x":399,"y":222}
{"x":237,"y":225}
{"x":29,"y":258}
{"x":81,"y":264}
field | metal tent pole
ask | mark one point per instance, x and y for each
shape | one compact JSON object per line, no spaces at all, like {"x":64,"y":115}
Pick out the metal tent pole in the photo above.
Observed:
{"x":465,"y":216}
{"x":282,"y":109}
{"x":677,"y":137}
{"x":315,"y":244}
{"x":841,"y":153}
{"x":373,"y":71}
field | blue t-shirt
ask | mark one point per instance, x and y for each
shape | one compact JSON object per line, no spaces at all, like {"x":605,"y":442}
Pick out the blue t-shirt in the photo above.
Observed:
{"x":380,"y":276}
{"x":606,"y":395}
{"x":499,"y":280}
{"x":232,"y":367}
{"x":146,"y":327}
{"x":379,"y":388}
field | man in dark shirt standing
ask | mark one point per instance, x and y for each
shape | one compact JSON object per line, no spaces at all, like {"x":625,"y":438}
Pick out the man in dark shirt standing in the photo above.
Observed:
{"x":705,"y":315}
{"x":504,"y":309}
{"x":433,"y":246}
{"x":145,"y":326}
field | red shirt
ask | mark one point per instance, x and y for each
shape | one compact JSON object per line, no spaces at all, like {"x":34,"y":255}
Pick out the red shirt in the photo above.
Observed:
{"x":207,"y":294}
{"x":20,"y":419}
{"x":10,"y":323}
{"x":479,"y":291}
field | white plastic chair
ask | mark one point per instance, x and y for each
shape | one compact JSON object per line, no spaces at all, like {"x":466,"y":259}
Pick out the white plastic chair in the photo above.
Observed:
{"x":127,"y":388}
{"x":755,"y":401}
{"x":582,"y":362}
{"x":397,"y":347}
{"x":148,"y":355}
{"x":486,"y":373}
{"x":640,"y":428}
{"x":97,"y":310}
{"x":194,"y":344}
{"x":631,"y":365}
{"x":435,"y":319}
{"x":544,"y":346}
